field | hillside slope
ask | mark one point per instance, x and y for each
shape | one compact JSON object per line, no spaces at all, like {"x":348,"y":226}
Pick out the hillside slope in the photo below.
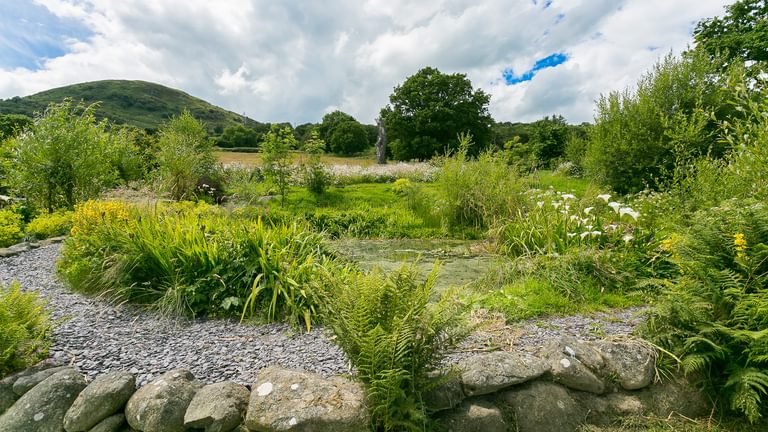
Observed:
{"x":138,"y":103}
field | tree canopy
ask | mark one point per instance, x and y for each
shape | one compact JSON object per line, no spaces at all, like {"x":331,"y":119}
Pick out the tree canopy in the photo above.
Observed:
{"x":741,"y":34}
{"x":428,"y":111}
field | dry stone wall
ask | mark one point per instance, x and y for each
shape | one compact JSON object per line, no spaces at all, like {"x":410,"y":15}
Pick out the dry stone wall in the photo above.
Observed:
{"x":567,"y":384}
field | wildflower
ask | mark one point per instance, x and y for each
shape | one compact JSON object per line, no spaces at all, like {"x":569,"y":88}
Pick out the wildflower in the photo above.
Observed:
{"x":590,"y":233}
{"x":571,"y":234}
{"x":574,"y":218}
{"x":614,"y":205}
{"x":540,"y":204}
{"x":628,"y":211}
{"x":628,"y":238}
{"x":568,"y":196}
{"x":604,"y":197}
{"x":587,"y":210}
{"x":740,"y":244}
{"x":556,"y":204}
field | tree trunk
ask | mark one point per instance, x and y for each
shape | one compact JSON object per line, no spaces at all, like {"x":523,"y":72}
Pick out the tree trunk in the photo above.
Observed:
{"x":381,"y":143}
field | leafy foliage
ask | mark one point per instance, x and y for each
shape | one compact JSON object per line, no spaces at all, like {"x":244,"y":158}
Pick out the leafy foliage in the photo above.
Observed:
{"x":740,"y":35}
{"x":11,"y":223}
{"x":185,"y":156}
{"x":13,"y":124}
{"x":430,"y":109}
{"x":476,"y":192}
{"x":26,"y":329}
{"x":316,"y":177}
{"x":195,"y":259}
{"x":394,"y":337}
{"x":670,"y":118}
{"x":238,"y":136}
{"x":49,"y":225}
{"x":64,"y":157}
{"x":277,"y":158}
{"x":348,"y":138}
{"x":713,"y":317}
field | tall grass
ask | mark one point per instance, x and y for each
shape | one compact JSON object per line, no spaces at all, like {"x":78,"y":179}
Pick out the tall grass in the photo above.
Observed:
{"x":196,"y":259}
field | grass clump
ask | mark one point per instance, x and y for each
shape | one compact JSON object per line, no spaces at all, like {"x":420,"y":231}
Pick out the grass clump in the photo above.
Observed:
{"x":394,"y":336}
{"x":196,"y":259}
{"x":25,"y":328}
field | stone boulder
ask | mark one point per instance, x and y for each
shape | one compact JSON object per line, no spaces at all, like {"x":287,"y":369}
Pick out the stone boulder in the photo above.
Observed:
{"x":160,"y":405}
{"x":446,"y":395}
{"x":218,"y":407}
{"x":473,"y":416}
{"x":544,"y":407}
{"x":570,"y":347}
{"x":289,"y":400}
{"x":105,"y":396}
{"x":24,"y":383}
{"x":494,"y":371}
{"x":7,"y":396}
{"x":113,"y":423}
{"x":42,"y":408}
{"x":632,"y":362}
{"x":572,"y":373}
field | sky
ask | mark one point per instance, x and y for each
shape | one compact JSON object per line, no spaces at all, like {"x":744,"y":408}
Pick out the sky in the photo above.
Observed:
{"x":296,"y":60}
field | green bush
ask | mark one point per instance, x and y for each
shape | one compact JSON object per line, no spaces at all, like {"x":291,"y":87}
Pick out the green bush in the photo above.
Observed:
{"x":25,"y":328}
{"x":49,"y":225}
{"x":713,"y":317}
{"x":394,"y":337}
{"x":476,"y":192}
{"x":11,"y":223}
{"x":671,"y":117}
{"x":316,"y":176}
{"x":65,"y":157}
{"x":195,"y":259}
{"x":277,"y":160}
{"x":184,"y":157}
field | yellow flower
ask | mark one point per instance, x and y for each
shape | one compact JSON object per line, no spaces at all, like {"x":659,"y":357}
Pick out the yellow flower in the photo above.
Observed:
{"x":740,"y":244}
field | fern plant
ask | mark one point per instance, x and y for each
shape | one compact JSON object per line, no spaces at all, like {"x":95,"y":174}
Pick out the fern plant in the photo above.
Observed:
{"x":715,"y":315}
{"x":394,"y":335}
{"x":25,"y":328}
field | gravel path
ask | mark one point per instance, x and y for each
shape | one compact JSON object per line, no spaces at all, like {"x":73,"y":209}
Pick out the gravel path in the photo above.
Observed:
{"x":97,"y":337}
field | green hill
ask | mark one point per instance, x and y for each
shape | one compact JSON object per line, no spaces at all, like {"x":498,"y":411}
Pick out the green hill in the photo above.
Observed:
{"x":138,"y":103}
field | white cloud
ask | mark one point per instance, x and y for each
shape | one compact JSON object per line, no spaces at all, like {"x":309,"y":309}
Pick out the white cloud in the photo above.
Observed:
{"x":294,"y":61}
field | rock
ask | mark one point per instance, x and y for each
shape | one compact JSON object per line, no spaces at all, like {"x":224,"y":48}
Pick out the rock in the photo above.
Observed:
{"x":218,"y":407}
{"x":572,"y":373}
{"x":446,"y":395}
{"x":544,"y":407}
{"x":42,"y":408}
{"x":289,"y":400}
{"x":473,"y":416}
{"x":607,"y":410}
{"x":160,"y":405}
{"x":7,"y":396}
{"x":570,"y":347}
{"x":488,"y":373}
{"x":633,"y":363}
{"x":113,"y":423}
{"x":678,"y":395}
{"x":105,"y":396}
{"x":24,"y":383}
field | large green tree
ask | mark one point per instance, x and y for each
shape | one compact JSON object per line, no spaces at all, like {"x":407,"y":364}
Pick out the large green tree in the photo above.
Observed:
{"x":238,"y":136}
{"x":742,"y":33}
{"x":428,"y":111}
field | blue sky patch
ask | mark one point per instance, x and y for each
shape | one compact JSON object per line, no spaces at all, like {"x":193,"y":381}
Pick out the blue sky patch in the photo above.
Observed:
{"x":547,"y":62}
{"x":32,"y":34}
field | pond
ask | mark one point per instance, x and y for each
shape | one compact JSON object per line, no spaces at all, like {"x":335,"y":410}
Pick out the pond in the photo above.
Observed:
{"x":461,"y":261}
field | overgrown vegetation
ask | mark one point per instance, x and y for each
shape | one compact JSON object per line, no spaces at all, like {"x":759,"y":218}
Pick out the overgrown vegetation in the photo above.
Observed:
{"x":395,"y":335}
{"x":26,"y":329}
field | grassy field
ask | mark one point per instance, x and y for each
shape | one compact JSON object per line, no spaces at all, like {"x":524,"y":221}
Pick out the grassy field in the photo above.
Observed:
{"x":253,"y":159}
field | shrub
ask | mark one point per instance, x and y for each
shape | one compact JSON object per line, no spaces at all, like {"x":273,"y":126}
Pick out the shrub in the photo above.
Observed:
{"x":713,"y":317}
{"x":49,"y":225}
{"x":10,"y":226}
{"x":394,"y":337}
{"x":26,"y":329}
{"x":277,"y":159}
{"x":348,"y":138}
{"x":316,"y":177}
{"x":184,"y":157}
{"x":476,"y":192}
{"x":64,"y":157}
{"x":193,"y":258}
